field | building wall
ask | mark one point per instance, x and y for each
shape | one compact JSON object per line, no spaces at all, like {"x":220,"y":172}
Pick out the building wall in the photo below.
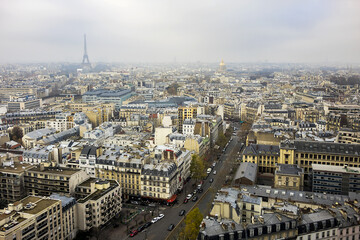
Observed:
{"x":283,"y":181}
{"x":160,"y":135}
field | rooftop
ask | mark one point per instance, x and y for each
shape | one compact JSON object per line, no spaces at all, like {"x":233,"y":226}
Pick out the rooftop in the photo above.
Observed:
{"x":55,"y":170}
{"x":322,"y":147}
{"x":289,"y":169}
{"x":16,"y":168}
{"x":330,"y":168}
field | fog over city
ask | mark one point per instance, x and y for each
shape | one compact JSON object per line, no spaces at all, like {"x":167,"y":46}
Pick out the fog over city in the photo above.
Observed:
{"x":184,"y":31}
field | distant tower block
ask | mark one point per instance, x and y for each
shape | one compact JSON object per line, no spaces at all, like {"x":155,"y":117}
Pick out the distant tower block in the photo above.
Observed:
{"x":222,"y":67}
{"x":85,"y":61}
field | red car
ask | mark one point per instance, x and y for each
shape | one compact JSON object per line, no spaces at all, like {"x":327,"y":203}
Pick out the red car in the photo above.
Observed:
{"x":133,"y":233}
{"x":186,"y":200}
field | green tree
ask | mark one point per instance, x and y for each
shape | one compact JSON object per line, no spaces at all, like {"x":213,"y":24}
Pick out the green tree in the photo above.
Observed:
{"x":221,"y":141}
{"x":192,"y":224}
{"x":197,"y":167}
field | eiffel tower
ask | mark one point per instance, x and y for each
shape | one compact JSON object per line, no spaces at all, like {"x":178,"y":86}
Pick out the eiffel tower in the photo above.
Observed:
{"x":85,"y":61}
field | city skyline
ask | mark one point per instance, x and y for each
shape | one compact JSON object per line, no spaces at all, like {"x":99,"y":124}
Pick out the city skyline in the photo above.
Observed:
{"x":205,"y":31}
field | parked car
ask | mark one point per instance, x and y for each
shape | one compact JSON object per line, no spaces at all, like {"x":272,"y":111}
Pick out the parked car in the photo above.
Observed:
{"x":133,"y":233}
{"x":154,"y":220}
{"x":142,"y":227}
{"x":200,"y":190}
{"x":189,"y":196}
{"x":171,"y":227}
{"x":186,"y":200}
{"x":182,"y":213}
{"x":195,"y":198}
{"x":214,"y":172}
{"x":160,"y":216}
{"x":146,"y":225}
{"x":211,"y":180}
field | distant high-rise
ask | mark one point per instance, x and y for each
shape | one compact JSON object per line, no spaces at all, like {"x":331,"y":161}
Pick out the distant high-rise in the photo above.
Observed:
{"x":85,"y":61}
{"x":222,"y":67}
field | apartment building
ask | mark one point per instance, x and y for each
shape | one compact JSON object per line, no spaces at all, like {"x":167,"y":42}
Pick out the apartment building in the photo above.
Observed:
{"x":12,"y":181}
{"x":107,"y":96}
{"x":250,"y":206}
{"x":181,"y":157}
{"x":32,"y":218}
{"x":306,"y":153}
{"x":30,"y":139}
{"x":159,"y":181}
{"x":289,"y":176}
{"x":69,"y":215}
{"x":62,"y":122}
{"x":124,"y":167}
{"x":37,"y":155}
{"x":349,"y":136}
{"x":44,"y":181}
{"x":87,"y":159}
{"x":335,"y":179}
{"x":185,"y":113}
{"x":24,"y":103}
{"x":98,"y":202}
{"x":126,"y":111}
{"x":30,"y":116}
{"x":264,"y":156}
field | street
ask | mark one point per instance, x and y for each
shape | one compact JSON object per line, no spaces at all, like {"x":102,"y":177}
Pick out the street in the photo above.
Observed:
{"x":159,"y":230}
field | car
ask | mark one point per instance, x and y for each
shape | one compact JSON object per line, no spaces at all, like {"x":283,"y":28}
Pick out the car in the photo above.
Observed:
{"x":186,"y":200}
{"x":211,"y":180}
{"x":195,"y":191}
{"x":142,"y":227}
{"x":189,"y":196}
{"x":199,"y":186}
{"x":171,"y":227}
{"x":133,"y":233}
{"x":195,"y":198}
{"x":146,"y":225}
{"x":160,"y":216}
{"x":200,"y":190}
{"x":214,"y":172}
{"x":182,"y":213}
{"x":154,"y":220}
{"x":214,"y":164}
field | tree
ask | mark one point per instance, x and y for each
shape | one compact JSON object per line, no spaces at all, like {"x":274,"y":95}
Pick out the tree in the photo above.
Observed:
{"x":192,"y":224}
{"x":221,"y":141}
{"x":172,"y":89}
{"x":16,"y":134}
{"x":197,"y":167}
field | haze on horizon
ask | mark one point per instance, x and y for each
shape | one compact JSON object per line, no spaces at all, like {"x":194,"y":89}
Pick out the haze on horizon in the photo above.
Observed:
{"x":162,"y":30}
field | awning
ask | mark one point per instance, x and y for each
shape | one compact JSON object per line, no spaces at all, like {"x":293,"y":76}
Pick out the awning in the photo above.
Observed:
{"x":173,"y":198}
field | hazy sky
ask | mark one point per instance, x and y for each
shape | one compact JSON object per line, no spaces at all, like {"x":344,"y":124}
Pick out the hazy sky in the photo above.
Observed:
{"x":188,"y":30}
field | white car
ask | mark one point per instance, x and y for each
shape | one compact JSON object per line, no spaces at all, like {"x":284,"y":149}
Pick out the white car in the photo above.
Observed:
{"x":189,"y":196}
{"x":154,"y":220}
{"x":160,"y":216}
{"x":214,"y":172}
